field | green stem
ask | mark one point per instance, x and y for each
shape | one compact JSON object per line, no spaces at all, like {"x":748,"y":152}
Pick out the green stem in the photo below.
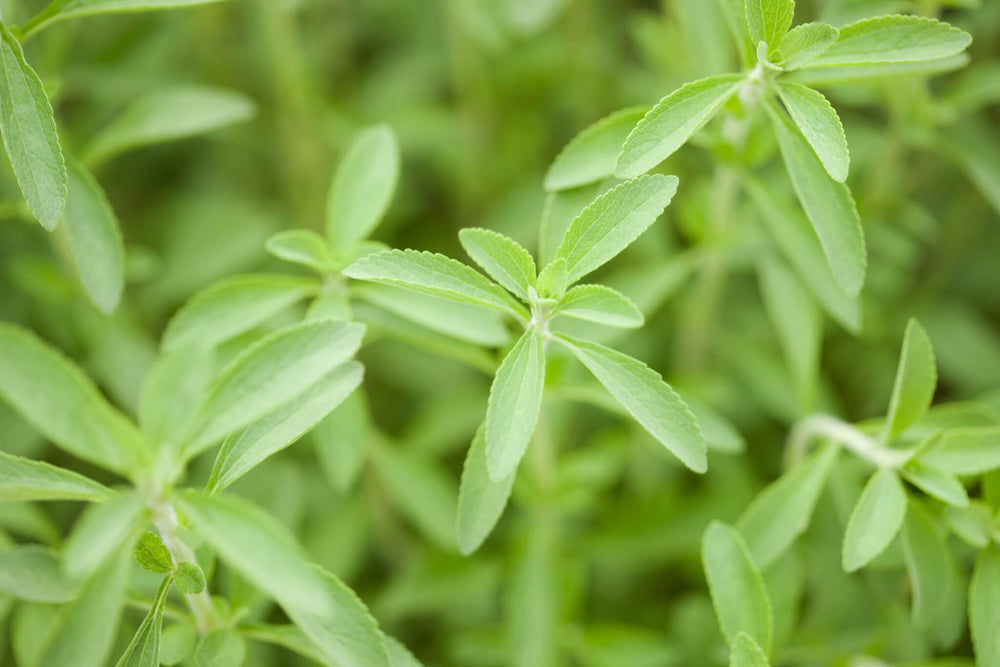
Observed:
{"x":847,"y":435}
{"x":39,"y":20}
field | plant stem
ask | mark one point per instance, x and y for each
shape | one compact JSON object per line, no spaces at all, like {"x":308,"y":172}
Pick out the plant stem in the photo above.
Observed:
{"x":165,"y":520}
{"x":848,"y":435}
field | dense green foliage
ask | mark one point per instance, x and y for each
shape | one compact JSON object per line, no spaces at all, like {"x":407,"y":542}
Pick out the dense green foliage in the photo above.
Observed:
{"x":379,"y":333}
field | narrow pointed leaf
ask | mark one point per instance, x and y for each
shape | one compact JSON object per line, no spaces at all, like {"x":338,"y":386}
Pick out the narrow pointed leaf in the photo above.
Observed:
{"x":481,"y":501}
{"x":593,"y":153}
{"x":769,"y":20}
{"x":597,"y":303}
{"x":984,"y":607}
{"x":820,"y":125}
{"x":33,"y":572}
{"x":804,"y":43}
{"x":674,"y":119}
{"x":23,"y":479}
{"x":894,"y":39}
{"x":363,"y":186}
{"x":875,"y":520}
{"x":144,"y":648}
{"x":965,"y":451}
{"x":101,"y":531}
{"x":502,"y":258}
{"x":514,"y":403}
{"x":944,"y":486}
{"x":747,"y":653}
{"x":916,"y":379}
{"x":302,"y":246}
{"x":928,"y":566}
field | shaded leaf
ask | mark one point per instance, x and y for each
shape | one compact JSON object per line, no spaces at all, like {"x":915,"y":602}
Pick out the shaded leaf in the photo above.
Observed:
{"x":593,"y":153}
{"x":916,"y":378}
{"x":481,"y":501}
{"x":363,"y":186}
{"x":875,"y":520}
{"x":24,"y":479}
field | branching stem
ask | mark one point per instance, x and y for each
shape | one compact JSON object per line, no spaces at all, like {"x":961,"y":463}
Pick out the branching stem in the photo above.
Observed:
{"x":848,"y":435}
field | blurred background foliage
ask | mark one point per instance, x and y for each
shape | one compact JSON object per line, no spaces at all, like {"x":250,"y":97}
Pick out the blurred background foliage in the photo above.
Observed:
{"x":598,"y":565}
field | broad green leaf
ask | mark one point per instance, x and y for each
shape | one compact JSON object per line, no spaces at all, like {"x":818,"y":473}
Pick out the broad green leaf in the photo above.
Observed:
{"x":172,"y":392}
{"x":738,"y":594}
{"x":189,"y":578}
{"x":674,"y":119}
{"x":782,"y":511}
{"x":984,"y":608}
{"x":747,"y":653}
{"x":152,"y":555}
{"x":828,"y":204}
{"x":514,"y":403}
{"x":875,"y":520}
{"x":893,"y":39}
{"x":55,"y":396}
{"x":165,"y":113}
{"x":434,"y":275}
{"x":220,"y":648}
{"x":303,"y":246}
{"x":270,"y":373}
{"x":176,"y":643}
{"x":101,"y":531}
{"x":144,"y":648}
{"x":502,"y":258}
{"x":649,"y":399}
{"x":33,"y":572}
{"x":928,"y":565}
{"x":965,"y":451}
{"x":804,"y":43}
{"x":95,"y":240}
{"x":942,"y":485}
{"x":593,"y":153}
{"x":769,"y":20}
{"x":24,"y":479}
{"x":232,"y":306}
{"x":277,"y":430}
{"x":597,"y":303}
{"x":340,"y":439}
{"x":268,"y":555}
{"x":29,"y":134}
{"x":481,"y":501}
{"x":614,"y":221}
{"x":820,"y":125}
{"x":363,"y":186}
{"x":916,"y":378}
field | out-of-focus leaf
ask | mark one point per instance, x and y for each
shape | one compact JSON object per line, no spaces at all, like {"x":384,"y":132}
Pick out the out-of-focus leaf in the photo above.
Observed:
{"x":363,"y":186}
{"x":876,"y":519}
{"x":24,"y":479}
{"x":481,"y":501}
{"x":916,"y":379}
{"x":33,"y":572}
{"x":593,"y":153}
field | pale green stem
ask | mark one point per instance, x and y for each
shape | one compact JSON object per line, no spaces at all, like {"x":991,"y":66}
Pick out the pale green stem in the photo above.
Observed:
{"x":847,"y":435}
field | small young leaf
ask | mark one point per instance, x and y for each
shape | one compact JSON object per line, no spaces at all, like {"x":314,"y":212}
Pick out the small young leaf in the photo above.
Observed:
{"x":984,"y":607}
{"x":434,"y":275}
{"x":820,"y":126}
{"x":280,"y":428}
{"x":101,"y":531}
{"x":144,"y":649}
{"x":152,"y":555}
{"x":769,"y":20}
{"x":232,"y":306}
{"x":674,"y":119}
{"x":303,"y":246}
{"x":647,"y":398}
{"x":916,"y":378}
{"x":738,"y":594}
{"x":828,"y":204}
{"x":502,"y":258}
{"x":804,"y":43}
{"x":597,"y":303}
{"x":94,"y":238}
{"x":340,"y":439}
{"x":893,"y":39}
{"x":189,"y":579}
{"x":942,"y":485}
{"x":553,"y":280}
{"x":270,"y":373}
{"x":33,"y":572}
{"x":593,"y":153}
{"x":782,"y":511}
{"x":747,"y":653}
{"x":29,"y":134}
{"x":927,"y":563}
{"x":165,"y":113}
{"x":965,"y":451}
{"x":363,"y":186}
{"x":219,"y":648}
{"x":481,"y":501}
{"x":23,"y":479}
{"x":875,"y":520}
{"x":614,"y":221}
{"x":514,"y":403}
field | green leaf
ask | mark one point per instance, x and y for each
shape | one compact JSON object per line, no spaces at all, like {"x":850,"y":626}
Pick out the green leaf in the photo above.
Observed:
{"x":893,"y":39}
{"x":399,"y":655}
{"x":827,"y":203}
{"x":747,"y":653}
{"x":172,"y":392}
{"x":434,"y":275}
{"x":820,"y":126}
{"x":597,"y":303}
{"x":268,"y":555}
{"x":592,"y":154}
{"x":271,"y":372}
{"x":232,"y":306}
{"x":514,"y":403}
{"x":189,"y":578}
{"x":928,"y":565}
{"x":984,"y":607}
{"x":674,"y":119}
{"x":875,"y":73}
{"x":553,"y":280}
{"x":804,"y":43}
{"x":502,"y":258}
{"x":55,"y":396}
{"x":165,"y":113}
{"x":176,"y":643}
{"x":94,"y":238}
{"x":614,"y":221}
{"x":303,"y":246}
{"x":152,"y":555}
{"x":769,"y":20}
{"x":481,"y":501}
{"x":738,"y":593}
{"x":938,"y":483}
{"x":340,"y":439}
{"x":24,"y":479}
{"x":875,"y":520}
{"x":363,"y":186}
{"x":29,"y":134}
{"x":782,"y":511}
{"x":219,"y":648}
{"x":916,"y":378}
{"x":647,"y":398}
{"x":33,"y":572}
{"x":279,"y":429}
{"x":560,"y":209}
{"x":144,"y":649}
{"x":101,"y":531}
{"x":965,"y":451}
